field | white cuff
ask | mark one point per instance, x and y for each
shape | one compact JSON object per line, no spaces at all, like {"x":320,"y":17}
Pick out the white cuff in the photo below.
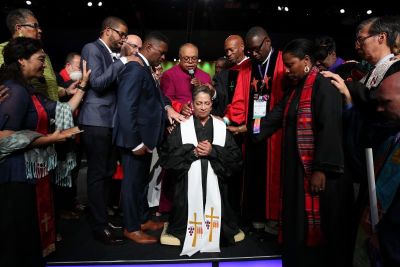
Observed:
{"x":214,"y":96}
{"x":124,"y":60}
{"x":138,"y":147}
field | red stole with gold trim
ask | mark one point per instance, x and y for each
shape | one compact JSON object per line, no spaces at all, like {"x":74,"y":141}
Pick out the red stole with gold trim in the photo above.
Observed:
{"x":44,"y":196}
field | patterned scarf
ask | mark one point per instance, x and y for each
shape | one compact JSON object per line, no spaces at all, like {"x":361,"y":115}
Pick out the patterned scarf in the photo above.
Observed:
{"x":305,"y":143}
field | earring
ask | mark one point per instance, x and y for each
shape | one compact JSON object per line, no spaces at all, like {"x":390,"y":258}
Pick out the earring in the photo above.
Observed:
{"x":306,"y":69}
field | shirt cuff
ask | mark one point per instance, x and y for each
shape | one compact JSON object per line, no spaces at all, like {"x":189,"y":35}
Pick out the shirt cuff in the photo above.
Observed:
{"x":124,"y":60}
{"x":138,"y":147}
{"x":214,"y":96}
{"x":348,"y":106}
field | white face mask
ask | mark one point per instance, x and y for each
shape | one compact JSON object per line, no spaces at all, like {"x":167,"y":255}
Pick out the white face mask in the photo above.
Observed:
{"x":76,"y":75}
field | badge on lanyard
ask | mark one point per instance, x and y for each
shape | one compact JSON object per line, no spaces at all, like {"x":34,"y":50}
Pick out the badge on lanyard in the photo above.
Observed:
{"x":260,"y":107}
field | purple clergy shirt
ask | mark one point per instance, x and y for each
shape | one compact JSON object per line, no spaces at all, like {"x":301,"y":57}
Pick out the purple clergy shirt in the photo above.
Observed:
{"x":175,"y":83}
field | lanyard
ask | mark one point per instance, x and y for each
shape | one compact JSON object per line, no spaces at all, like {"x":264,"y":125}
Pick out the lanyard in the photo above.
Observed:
{"x":266,"y":69}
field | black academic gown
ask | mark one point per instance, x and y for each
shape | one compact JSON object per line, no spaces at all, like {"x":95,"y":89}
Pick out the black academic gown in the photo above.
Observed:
{"x":328,"y":158}
{"x":177,"y":158}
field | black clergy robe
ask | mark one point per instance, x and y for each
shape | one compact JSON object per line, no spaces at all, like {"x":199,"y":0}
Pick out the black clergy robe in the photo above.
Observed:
{"x":177,"y":158}
{"x":255,"y":182}
{"x":328,"y":158}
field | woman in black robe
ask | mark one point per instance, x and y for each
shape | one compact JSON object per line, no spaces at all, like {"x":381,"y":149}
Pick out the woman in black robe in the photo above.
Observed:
{"x":325,"y":179}
{"x":177,"y":158}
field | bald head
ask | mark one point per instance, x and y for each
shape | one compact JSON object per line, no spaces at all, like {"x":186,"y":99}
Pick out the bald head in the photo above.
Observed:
{"x":388,"y":96}
{"x":188,"y":56}
{"x":132,"y":45}
{"x":234,"y":49}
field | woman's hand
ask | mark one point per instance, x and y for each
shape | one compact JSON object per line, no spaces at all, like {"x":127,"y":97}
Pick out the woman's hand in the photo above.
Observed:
{"x":204,"y":148}
{"x":318,"y":182}
{"x":85,"y":74}
{"x":60,"y":136}
{"x":339,"y":83}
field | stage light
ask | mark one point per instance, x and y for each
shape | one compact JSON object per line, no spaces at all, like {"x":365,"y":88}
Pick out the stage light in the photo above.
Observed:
{"x":199,"y":60}
{"x":342,"y":11}
{"x":174,"y":59}
{"x":279,"y":8}
{"x":286,"y":9}
{"x":100,"y":3}
{"x":369,"y":11}
{"x":28,"y":3}
{"x":89,"y":3}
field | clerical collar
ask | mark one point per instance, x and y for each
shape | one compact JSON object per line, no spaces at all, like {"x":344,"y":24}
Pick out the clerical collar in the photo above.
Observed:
{"x":245,"y":58}
{"x":144,"y":59}
{"x":384,"y":59}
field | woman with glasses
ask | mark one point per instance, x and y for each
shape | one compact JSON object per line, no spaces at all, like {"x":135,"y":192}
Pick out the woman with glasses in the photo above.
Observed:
{"x":27,"y":155}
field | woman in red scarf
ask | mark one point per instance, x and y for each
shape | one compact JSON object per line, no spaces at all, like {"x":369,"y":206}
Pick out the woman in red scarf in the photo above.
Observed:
{"x":313,"y":189}
{"x":27,"y":155}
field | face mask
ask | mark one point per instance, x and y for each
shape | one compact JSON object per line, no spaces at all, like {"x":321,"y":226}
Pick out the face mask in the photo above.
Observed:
{"x":76,"y":75}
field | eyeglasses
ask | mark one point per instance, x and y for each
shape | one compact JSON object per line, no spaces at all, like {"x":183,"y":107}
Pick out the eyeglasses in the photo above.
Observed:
{"x":33,"y":25}
{"x":258,"y":48}
{"x":361,"y":40}
{"x":122,"y":35}
{"x":188,"y":59}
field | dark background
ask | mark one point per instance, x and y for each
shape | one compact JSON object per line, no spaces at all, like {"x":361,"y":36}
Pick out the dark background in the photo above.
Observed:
{"x":68,"y":25}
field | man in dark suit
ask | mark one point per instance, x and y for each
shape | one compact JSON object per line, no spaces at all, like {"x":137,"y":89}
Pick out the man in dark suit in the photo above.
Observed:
{"x":96,"y":117}
{"x":139,"y":127}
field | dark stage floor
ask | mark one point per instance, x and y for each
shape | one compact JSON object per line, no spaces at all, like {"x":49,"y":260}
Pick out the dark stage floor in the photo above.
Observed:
{"x":77,"y":247}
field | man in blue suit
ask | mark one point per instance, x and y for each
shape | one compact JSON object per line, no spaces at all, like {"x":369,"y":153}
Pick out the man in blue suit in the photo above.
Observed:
{"x":138,"y":129}
{"x":96,"y":115}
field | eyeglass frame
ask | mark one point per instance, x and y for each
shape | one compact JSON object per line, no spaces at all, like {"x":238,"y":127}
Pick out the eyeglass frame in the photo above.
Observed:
{"x":121,"y":34}
{"x":361,"y":40}
{"x":257,"y":49}
{"x":189,"y":59}
{"x":35,"y":26}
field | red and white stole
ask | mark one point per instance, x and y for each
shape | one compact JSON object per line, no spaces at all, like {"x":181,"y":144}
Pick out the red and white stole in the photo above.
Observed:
{"x":203,"y":224}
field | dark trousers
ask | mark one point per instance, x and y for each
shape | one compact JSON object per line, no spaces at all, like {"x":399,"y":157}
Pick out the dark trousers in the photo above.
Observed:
{"x":101,"y":160}
{"x":19,"y":229}
{"x":134,"y":189}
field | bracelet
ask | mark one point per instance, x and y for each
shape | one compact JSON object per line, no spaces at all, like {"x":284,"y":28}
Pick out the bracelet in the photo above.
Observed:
{"x":226,"y":120}
{"x":80,"y":87}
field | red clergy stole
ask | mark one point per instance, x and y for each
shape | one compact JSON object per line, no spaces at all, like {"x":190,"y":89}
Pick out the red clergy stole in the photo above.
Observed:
{"x":305,"y":143}
{"x":44,"y":196}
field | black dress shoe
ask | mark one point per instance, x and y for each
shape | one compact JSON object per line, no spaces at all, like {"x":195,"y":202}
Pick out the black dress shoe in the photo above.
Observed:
{"x":107,"y":237}
{"x":114,"y":226}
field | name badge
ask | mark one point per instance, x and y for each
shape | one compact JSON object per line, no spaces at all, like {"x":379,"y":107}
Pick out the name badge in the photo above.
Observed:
{"x":260,"y":108}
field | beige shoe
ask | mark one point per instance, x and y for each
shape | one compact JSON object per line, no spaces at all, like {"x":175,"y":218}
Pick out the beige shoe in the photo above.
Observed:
{"x":167,"y":239}
{"x":239,"y":236}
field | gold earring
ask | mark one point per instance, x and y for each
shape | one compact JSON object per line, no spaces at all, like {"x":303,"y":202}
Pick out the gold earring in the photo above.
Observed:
{"x":306,"y":69}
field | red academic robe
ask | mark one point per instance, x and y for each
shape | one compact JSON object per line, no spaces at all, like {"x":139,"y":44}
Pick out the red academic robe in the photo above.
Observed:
{"x":237,"y":112}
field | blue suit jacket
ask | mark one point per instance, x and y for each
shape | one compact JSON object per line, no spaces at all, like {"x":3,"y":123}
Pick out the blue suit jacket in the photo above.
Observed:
{"x":99,"y":104}
{"x":140,"y":115}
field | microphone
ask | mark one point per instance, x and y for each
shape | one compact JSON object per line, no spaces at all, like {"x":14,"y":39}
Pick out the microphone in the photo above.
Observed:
{"x":191,"y":73}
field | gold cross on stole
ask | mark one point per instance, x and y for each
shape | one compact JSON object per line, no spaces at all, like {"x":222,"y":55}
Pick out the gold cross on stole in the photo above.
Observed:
{"x":195,"y":223}
{"x":211,"y":217}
